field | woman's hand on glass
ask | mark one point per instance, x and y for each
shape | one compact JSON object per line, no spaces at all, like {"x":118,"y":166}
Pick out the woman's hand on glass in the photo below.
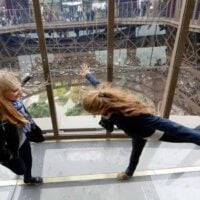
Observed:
{"x":85,"y":69}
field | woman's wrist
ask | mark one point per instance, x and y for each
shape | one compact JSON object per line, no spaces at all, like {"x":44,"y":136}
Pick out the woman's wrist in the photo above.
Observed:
{"x":87,"y":74}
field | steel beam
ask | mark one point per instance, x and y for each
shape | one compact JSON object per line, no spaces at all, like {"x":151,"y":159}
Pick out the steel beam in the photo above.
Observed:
{"x":110,"y":33}
{"x":45,"y":65}
{"x":177,"y":54}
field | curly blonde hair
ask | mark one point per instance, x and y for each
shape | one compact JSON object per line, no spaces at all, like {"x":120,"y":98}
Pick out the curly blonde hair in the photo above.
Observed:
{"x":105,"y":99}
{"x":9,"y":81}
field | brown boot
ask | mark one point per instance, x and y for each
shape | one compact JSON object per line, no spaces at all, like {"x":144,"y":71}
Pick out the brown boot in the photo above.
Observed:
{"x":123,"y":176}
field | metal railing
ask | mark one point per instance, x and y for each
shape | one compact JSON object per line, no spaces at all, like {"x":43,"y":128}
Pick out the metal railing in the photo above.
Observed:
{"x":131,"y":10}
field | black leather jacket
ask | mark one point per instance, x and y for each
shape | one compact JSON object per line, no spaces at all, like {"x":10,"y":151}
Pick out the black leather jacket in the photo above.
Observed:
{"x":9,"y":139}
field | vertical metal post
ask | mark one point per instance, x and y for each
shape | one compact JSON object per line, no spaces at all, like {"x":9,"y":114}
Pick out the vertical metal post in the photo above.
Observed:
{"x":155,"y":32}
{"x":61,"y":5}
{"x":110,"y":34}
{"x":45,"y":64}
{"x":177,"y":9}
{"x":155,"y":5}
{"x":195,"y":10}
{"x":179,"y":46}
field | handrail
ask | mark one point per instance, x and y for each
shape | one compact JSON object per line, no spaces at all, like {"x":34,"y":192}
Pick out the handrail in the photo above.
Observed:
{"x":17,"y":18}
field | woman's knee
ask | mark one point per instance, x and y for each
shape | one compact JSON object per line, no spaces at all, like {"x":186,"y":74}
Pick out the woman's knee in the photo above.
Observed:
{"x":19,"y":171}
{"x":17,"y":166}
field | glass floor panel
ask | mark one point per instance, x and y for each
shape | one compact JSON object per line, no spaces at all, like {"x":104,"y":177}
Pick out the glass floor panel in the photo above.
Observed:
{"x":87,"y":169}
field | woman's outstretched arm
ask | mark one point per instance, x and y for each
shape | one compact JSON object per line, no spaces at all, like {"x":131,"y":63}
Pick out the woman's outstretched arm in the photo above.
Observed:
{"x":85,"y":71}
{"x":137,"y":147}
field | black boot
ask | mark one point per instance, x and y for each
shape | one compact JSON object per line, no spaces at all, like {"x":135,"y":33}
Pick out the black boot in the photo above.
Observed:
{"x":34,"y":181}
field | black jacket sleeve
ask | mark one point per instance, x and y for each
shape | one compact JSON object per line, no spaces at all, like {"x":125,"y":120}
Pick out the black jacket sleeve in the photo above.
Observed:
{"x":5,"y":154}
{"x":9,"y":142}
{"x":92,"y":79}
{"x":137,"y":147}
{"x":36,"y":134}
{"x":106,"y":123}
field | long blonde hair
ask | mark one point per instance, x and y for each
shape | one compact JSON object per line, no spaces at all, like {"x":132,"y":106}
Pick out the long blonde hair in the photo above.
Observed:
{"x":106,"y":100}
{"x":9,"y":81}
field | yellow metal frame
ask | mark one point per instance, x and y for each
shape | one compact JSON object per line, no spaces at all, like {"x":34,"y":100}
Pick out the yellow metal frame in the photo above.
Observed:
{"x":106,"y":176}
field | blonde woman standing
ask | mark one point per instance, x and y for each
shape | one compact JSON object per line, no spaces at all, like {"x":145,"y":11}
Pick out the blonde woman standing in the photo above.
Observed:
{"x":17,"y":128}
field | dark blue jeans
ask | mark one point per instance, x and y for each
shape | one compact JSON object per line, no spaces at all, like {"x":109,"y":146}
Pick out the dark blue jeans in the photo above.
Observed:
{"x":178,"y":134}
{"x":182,"y":135}
{"x":23,"y":164}
{"x":173,"y":132}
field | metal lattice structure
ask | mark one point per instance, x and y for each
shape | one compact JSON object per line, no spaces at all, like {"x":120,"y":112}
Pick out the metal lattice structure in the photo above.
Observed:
{"x":70,"y":43}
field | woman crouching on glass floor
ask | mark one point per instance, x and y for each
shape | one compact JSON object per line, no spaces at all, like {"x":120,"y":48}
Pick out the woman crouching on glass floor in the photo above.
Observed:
{"x":134,"y":117}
